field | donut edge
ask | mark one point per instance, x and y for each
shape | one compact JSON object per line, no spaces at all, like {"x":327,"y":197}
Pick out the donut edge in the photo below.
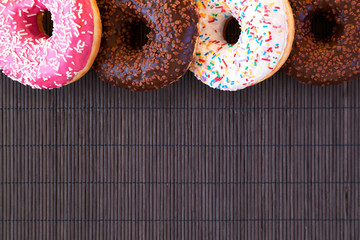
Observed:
{"x":194,"y":54}
{"x":96,"y":42}
{"x":40,"y":18}
{"x":197,"y":38}
{"x":289,"y":43}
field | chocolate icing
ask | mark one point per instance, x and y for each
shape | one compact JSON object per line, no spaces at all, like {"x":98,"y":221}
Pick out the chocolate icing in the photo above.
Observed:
{"x":166,"y":55}
{"x":329,"y":60}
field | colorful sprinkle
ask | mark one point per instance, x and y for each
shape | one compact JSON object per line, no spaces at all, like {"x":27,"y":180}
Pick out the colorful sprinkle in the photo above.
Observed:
{"x":253,"y":57}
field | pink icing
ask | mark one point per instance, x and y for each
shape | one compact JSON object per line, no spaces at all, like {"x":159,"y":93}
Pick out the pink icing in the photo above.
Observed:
{"x":35,"y":59}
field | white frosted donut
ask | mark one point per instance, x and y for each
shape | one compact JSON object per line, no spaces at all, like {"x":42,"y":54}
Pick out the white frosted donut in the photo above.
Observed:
{"x":31,"y":57}
{"x":267,"y":32}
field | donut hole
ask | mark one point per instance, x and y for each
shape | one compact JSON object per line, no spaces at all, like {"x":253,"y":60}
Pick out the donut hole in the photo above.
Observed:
{"x":138,"y":32}
{"x":324,"y":27}
{"x":45,"y":23}
{"x":232,"y":31}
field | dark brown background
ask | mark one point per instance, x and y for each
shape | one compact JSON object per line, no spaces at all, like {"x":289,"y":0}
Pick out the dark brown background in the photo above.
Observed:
{"x":279,"y":160}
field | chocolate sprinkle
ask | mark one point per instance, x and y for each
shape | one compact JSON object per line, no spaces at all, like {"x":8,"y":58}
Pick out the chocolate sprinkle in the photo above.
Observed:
{"x":166,"y":55}
{"x":329,"y":60}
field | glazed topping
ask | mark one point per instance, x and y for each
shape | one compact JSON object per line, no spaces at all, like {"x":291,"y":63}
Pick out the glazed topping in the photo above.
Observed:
{"x":35,"y":59}
{"x":327,"y":46}
{"x":167,"y":53}
{"x":258,"y":51}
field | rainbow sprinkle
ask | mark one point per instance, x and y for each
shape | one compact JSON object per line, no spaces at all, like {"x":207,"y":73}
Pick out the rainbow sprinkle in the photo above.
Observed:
{"x":257,"y":52}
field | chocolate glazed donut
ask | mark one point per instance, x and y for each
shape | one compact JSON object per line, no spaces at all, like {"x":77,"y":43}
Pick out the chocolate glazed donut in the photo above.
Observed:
{"x":326,"y":48}
{"x":162,"y":58}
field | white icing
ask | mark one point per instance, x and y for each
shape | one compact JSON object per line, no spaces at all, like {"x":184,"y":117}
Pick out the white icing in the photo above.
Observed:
{"x":232,"y":67}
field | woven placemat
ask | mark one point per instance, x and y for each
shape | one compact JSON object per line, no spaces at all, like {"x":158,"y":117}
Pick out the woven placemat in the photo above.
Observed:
{"x":279,"y":160}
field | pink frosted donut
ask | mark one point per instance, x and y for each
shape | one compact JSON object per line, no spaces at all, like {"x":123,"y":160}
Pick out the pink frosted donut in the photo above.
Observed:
{"x":33,"y":58}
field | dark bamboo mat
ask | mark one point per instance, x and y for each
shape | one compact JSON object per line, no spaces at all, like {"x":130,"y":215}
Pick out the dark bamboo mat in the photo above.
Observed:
{"x":279,"y":160}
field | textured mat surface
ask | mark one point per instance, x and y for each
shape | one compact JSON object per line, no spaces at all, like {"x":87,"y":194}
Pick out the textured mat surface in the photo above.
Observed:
{"x":280,"y":159}
{"x":276,"y":161}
